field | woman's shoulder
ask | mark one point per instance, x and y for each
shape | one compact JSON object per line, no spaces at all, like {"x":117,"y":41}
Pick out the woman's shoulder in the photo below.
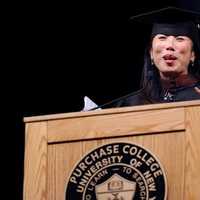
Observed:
{"x":138,"y":98}
{"x":188,"y":93}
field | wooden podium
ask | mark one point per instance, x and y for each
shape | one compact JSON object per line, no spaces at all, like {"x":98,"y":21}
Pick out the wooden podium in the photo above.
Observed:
{"x":54,"y":144}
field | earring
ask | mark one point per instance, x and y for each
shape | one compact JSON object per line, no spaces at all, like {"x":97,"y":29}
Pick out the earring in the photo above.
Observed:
{"x":192,"y":63}
{"x":152,"y":63}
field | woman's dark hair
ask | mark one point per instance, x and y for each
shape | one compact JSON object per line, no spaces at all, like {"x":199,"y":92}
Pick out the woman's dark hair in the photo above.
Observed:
{"x":150,"y":81}
{"x":194,"y":69}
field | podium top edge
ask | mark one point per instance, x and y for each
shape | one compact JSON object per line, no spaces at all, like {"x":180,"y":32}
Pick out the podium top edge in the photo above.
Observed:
{"x":111,"y":111}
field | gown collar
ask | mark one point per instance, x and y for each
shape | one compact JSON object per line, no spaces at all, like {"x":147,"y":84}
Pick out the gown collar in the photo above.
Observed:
{"x":181,"y":81}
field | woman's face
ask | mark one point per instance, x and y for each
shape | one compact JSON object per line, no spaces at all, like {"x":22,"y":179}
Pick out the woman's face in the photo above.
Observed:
{"x":172,"y":54}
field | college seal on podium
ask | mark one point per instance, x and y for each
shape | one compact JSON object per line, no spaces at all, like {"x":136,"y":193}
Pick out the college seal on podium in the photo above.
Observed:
{"x":117,"y":171}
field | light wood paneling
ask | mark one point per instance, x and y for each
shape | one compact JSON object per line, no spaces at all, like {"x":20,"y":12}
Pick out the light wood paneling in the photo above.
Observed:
{"x":192,"y":167}
{"x":168,"y":148}
{"x":116,"y":125}
{"x":55,"y":145}
{"x":35,"y":165}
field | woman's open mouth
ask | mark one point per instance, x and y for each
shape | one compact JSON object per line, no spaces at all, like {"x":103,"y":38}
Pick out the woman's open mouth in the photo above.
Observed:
{"x":169,"y":59}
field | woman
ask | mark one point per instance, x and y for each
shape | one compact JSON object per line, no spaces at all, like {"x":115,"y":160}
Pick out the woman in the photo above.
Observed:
{"x":172,"y":61}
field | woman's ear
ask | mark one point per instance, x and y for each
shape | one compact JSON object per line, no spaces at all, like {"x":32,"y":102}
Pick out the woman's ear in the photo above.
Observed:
{"x":151,"y":53}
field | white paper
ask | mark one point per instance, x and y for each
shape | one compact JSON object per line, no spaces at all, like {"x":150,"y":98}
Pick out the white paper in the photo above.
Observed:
{"x":89,"y":104}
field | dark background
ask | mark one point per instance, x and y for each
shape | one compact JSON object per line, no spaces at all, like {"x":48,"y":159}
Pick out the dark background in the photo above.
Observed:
{"x":63,"y":52}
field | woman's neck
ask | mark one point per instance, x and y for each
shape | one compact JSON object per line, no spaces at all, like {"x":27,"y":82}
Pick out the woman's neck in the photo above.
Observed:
{"x":177,"y":81}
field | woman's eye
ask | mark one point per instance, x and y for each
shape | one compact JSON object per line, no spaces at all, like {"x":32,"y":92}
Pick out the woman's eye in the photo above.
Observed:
{"x":180,"y":39}
{"x":162,"y":37}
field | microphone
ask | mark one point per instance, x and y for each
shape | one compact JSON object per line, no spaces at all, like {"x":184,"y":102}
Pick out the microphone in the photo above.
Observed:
{"x":149,"y":77}
{"x":116,"y":100}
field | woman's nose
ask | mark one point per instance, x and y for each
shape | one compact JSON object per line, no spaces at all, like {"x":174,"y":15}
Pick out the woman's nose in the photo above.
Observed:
{"x":170,"y":48}
{"x":170,"y":44}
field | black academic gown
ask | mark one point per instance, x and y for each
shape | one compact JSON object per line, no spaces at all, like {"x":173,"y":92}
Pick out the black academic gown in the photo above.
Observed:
{"x":174,"y":94}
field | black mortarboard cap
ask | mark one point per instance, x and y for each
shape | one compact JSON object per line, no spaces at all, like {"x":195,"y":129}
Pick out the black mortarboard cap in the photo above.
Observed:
{"x":173,"y":21}
{"x":167,"y":15}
